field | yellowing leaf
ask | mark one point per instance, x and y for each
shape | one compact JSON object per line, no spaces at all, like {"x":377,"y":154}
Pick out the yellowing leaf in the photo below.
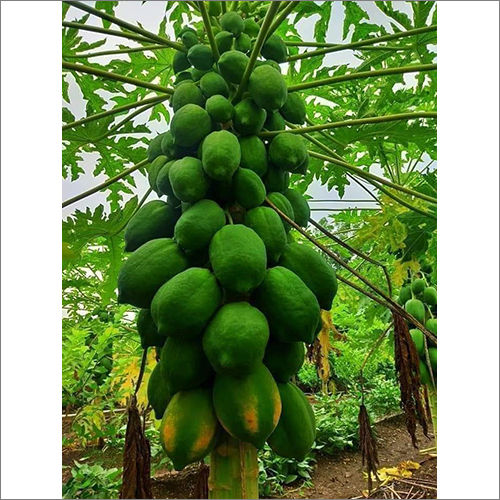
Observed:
{"x":401,"y":270}
{"x":402,"y":470}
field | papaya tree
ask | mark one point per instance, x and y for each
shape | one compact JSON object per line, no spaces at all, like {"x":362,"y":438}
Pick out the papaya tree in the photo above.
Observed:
{"x":226,"y":268}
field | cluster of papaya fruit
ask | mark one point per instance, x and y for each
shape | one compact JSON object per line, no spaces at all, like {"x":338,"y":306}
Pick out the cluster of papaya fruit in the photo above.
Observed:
{"x":226,"y":295}
{"x":420,"y":301}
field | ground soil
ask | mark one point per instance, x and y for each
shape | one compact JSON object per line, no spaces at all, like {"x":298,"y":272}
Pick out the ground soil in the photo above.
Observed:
{"x":339,"y":476}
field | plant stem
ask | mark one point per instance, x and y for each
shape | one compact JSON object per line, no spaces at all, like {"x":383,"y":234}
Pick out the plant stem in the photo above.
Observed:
{"x":105,"y":184}
{"x":114,"y":111}
{"x":126,"y":25}
{"x":208,"y":28}
{"x":363,"y":74}
{"x":386,"y":300}
{"x":283,"y":13}
{"x":105,"y":31}
{"x":114,"y":76}
{"x":261,"y":37}
{"x":325,"y":135}
{"x":111,"y":52}
{"x":357,"y":121}
{"x":341,"y":46}
{"x":372,"y":177}
{"x":362,"y":43}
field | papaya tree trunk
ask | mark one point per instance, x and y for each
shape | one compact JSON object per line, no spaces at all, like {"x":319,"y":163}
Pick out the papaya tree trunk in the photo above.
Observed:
{"x":433,"y":404}
{"x":234,"y":471}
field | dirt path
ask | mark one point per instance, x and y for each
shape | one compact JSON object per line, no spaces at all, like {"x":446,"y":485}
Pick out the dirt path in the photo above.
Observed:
{"x":339,"y":476}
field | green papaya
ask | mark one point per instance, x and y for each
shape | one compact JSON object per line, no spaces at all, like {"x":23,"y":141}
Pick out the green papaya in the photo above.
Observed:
{"x":430,"y":296}
{"x":284,"y":359}
{"x":267,"y":224}
{"x":433,"y":359}
{"x":155,"y":219}
{"x":235,"y":339}
{"x":214,"y":8}
{"x":190,"y":125}
{"x":188,"y":93}
{"x":404,"y":294}
{"x":288,"y":150}
{"x":200,"y":56}
{"x":275,"y":49}
{"x":196,"y":226}
{"x":276,"y":180}
{"x":189,"y":39}
{"x":432,"y":325}
{"x":243,"y":43}
{"x":219,"y":108}
{"x":238,"y":258}
{"x":163,"y":182}
{"x":147,"y":269}
{"x":185,"y":303}
{"x":189,"y":427}
{"x":220,"y":155}
{"x":248,"y":188}
{"x":418,"y":286}
{"x":418,"y":339}
{"x":274,"y":121}
{"x":232,"y":65}
{"x":250,"y":27}
{"x":171,"y":150}
{"x":147,"y":330}
{"x":290,"y":307}
{"x":184,"y":364}
{"x":183,"y":76}
{"x":224,"y":41}
{"x":188,"y":180}
{"x":212,"y":83}
{"x":153,"y":170}
{"x":158,"y":392}
{"x":180,"y":62}
{"x":248,"y":407}
{"x":313,"y":270}
{"x":248,"y":117}
{"x":301,"y":210}
{"x":154,"y":148}
{"x":267,"y":88}
{"x":425,"y":377}
{"x":296,"y":430}
{"x":253,"y":154}
{"x":284,"y":205}
{"x":294,"y":109}
{"x":416,"y":309}
{"x":197,"y":74}
{"x":231,"y":21}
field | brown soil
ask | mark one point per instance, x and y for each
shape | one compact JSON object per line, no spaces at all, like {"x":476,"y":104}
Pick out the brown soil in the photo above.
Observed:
{"x":339,"y":476}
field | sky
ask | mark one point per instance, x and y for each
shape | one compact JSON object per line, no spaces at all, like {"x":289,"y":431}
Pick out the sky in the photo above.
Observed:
{"x":149,"y":15}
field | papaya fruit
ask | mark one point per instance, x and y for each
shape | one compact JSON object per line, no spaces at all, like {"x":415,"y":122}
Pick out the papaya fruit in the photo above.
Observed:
{"x":232,"y":65}
{"x":158,"y":392}
{"x":288,"y":150}
{"x":284,"y":359}
{"x":171,"y":150}
{"x":183,"y":76}
{"x":220,"y":155}
{"x":276,"y":179}
{"x":248,"y":117}
{"x":153,"y":170}
{"x":275,"y":49}
{"x":416,"y":309}
{"x":235,"y":339}
{"x":189,"y":39}
{"x":212,"y":83}
{"x":188,"y":93}
{"x":425,"y":377}
{"x":273,"y":64}
{"x":154,"y":148}
{"x":147,"y":269}
{"x":163,"y":182}
{"x":296,"y":430}
{"x":404,"y":294}
{"x":196,"y":226}
{"x":248,"y":407}
{"x":180,"y":62}
{"x":274,"y":121}
{"x":219,"y":108}
{"x":267,"y":224}
{"x":238,"y":258}
{"x":253,"y":154}
{"x":231,"y":21}
{"x":243,"y":43}
{"x":289,"y":305}
{"x":418,"y":339}
{"x":301,"y":210}
{"x":294,"y":109}
{"x":224,"y":41}
{"x":431,"y":325}
{"x":147,"y":330}
{"x":185,"y":303}
{"x":248,"y":188}
{"x":189,"y":427}
{"x":433,"y":359}
{"x":200,"y":56}
{"x":190,"y":125}
{"x":155,"y":219}
{"x":267,"y":88}
{"x":430,"y":296}
{"x":188,"y":180}
{"x":214,"y":8}
{"x":250,"y":27}
{"x":183,"y":364}
{"x":418,"y":286}
{"x":284,"y":205}
{"x":197,"y":74}
{"x":313,"y":270}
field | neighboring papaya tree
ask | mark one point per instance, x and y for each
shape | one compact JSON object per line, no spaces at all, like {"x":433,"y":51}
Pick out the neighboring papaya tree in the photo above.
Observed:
{"x":227,"y":294}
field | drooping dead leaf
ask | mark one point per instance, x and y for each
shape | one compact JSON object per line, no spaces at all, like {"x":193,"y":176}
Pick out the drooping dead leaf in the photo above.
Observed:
{"x":368,"y":445}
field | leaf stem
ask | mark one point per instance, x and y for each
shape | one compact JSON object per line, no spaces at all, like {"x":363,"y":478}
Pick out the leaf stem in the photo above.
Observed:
{"x":360,"y":43}
{"x":114,"y":76}
{"x":363,"y":74}
{"x":208,"y":28}
{"x":283,"y":13}
{"x":105,"y":31}
{"x":111,"y":52}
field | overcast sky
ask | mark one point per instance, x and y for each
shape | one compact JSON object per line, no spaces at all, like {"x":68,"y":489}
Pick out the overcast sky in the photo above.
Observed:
{"x":149,"y":15}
